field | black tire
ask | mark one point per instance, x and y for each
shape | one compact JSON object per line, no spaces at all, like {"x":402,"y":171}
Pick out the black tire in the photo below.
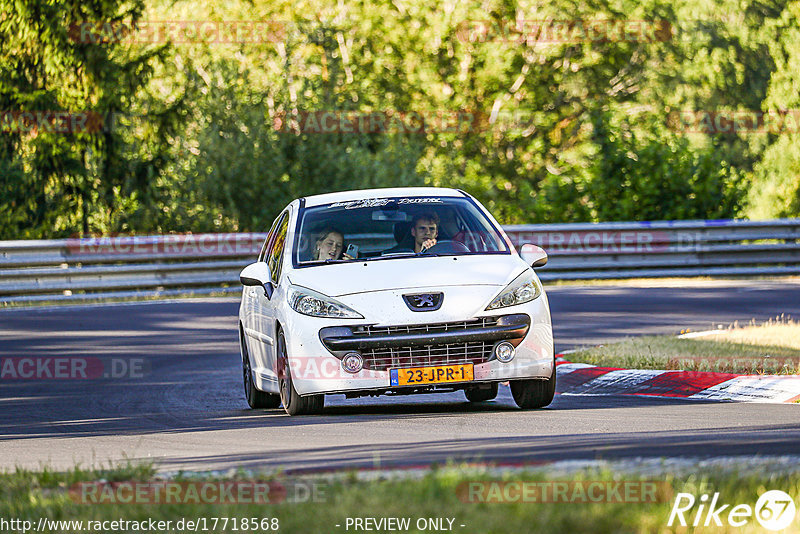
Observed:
{"x":530,"y":394}
{"x":481,"y":394}
{"x":255,"y":397}
{"x":293,"y":403}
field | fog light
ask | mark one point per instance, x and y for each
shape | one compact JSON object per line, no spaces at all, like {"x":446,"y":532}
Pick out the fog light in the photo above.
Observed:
{"x":352,"y":362}
{"x":504,"y":351}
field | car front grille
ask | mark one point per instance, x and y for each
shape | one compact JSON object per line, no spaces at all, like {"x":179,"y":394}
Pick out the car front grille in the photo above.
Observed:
{"x":451,"y":354}
{"x":382,"y":359}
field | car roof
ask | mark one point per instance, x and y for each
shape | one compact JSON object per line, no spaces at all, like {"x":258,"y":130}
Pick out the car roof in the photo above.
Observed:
{"x":344,"y":196}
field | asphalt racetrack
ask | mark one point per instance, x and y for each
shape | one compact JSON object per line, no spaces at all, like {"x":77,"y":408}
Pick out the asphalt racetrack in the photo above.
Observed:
{"x":185,"y":409}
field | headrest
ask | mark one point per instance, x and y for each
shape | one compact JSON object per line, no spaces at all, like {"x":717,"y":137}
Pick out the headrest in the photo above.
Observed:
{"x":402,"y":231}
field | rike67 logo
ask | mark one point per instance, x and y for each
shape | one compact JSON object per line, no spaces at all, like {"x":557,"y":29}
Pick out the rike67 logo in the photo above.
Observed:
{"x":774,"y":510}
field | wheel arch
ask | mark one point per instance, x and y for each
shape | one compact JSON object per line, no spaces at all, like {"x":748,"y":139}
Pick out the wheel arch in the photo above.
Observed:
{"x":243,"y":348}
{"x":278,"y":329}
{"x":279,"y":369}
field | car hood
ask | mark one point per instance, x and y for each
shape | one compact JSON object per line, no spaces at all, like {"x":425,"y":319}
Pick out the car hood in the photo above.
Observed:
{"x":339,"y":279}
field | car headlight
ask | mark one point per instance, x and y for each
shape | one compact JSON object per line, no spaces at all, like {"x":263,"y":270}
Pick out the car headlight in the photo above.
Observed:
{"x":525,"y":288}
{"x":309,"y":302}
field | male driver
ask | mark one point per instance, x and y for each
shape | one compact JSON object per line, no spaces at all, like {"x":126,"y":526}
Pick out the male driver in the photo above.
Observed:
{"x":424,"y":229}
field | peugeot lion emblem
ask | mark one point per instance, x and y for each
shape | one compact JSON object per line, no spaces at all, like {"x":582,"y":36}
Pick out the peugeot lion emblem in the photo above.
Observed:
{"x":423,"y":302}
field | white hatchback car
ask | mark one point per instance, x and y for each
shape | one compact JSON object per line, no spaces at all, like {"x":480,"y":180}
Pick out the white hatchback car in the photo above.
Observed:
{"x":393,"y":291}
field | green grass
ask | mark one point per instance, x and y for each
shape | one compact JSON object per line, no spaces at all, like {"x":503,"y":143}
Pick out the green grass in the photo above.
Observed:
{"x":770,"y":348}
{"x":30,"y":495}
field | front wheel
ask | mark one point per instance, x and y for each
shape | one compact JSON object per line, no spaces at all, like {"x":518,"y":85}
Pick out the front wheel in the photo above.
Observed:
{"x":530,"y":394}
{"x":293,"y":403}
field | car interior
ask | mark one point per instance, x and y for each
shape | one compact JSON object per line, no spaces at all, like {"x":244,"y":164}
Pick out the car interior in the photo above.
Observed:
{"x":383,"y":232}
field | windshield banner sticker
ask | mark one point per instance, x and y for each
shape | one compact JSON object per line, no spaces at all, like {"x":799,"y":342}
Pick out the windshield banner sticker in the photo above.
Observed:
{"x":363,"y":203}
{"x":420,"y":201}
{"x":378,"y":202}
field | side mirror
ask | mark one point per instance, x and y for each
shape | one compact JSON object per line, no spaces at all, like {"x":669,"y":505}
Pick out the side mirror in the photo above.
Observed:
{"x":257,"y":274}
{"x":533,"y":255}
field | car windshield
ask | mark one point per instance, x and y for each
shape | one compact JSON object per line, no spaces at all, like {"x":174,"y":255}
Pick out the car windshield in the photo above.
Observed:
{"x":393,"y":227}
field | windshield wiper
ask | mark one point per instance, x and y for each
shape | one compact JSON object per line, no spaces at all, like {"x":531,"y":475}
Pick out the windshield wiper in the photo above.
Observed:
{"x":399,"y":253}
{"x":321,"y":262}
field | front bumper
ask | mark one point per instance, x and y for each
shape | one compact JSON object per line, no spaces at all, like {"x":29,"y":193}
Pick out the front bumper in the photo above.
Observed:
{"x":316,"y":360}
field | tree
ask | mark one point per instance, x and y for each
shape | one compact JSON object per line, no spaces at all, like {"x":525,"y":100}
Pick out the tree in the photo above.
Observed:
{"x":71,"y":57}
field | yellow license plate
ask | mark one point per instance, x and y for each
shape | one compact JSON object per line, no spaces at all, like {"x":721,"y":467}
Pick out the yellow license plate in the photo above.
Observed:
{"x":431,"y":375}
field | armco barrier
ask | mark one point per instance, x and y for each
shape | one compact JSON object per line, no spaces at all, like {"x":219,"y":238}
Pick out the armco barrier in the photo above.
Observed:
{"x":79,"y":269}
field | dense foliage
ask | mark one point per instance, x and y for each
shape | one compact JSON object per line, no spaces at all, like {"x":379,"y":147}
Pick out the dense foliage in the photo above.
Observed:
{"x":210,"y":135}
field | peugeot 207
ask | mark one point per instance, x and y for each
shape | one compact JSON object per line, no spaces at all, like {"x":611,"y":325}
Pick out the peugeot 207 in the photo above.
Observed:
{"x":391,"y":292}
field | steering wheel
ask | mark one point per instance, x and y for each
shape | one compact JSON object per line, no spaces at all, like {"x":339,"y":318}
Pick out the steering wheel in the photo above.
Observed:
{"x":446,"y":246}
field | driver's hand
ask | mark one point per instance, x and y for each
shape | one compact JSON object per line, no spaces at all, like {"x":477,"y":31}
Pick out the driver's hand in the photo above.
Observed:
{"x":347,"y":256}
{"x":428,"y":243}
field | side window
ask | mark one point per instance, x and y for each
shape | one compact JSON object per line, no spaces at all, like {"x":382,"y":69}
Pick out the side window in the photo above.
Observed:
{"x":275,"y":250}
{"x":270,"y":234}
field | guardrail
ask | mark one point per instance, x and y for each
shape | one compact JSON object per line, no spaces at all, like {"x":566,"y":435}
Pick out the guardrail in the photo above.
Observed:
{"x":99,"y":268}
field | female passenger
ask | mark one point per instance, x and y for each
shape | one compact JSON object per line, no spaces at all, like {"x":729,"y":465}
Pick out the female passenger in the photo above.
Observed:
{"x":329,"y":245}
